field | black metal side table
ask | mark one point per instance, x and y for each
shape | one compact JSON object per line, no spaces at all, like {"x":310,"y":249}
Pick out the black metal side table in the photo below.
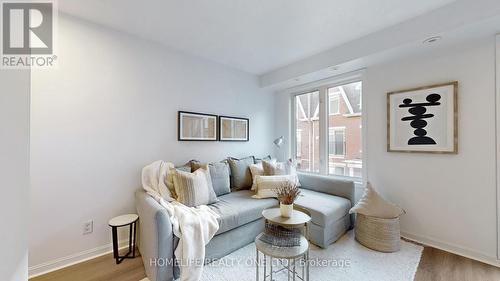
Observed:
{"x":125,"y":220}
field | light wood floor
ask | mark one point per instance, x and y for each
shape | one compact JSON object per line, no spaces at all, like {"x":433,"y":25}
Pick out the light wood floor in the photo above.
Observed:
{"x":99,"y":269}
{"x":435,"y":265}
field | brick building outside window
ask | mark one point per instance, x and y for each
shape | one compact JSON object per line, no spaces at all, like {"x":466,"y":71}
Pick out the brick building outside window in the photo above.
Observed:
{"x":344,"y":130}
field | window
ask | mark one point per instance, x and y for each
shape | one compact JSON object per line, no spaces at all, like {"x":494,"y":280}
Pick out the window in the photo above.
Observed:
{"x":336,"y":142}
{"x":307,"y":131}
{"x":334,"y":104}
{"x":329,"y":130}
{"x":339,"y":171}
{"x":356,"y":172}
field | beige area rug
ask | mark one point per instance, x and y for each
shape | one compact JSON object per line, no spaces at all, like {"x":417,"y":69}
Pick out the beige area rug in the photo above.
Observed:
{"x":345,"y":260}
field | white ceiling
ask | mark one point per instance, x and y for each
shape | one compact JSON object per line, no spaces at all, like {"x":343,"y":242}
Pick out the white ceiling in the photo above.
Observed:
{"x":460,"y":23}
{"x":255,"y":36}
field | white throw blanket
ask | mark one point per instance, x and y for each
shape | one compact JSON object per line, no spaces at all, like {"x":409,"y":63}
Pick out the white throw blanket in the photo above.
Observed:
{"x":194,"y":226}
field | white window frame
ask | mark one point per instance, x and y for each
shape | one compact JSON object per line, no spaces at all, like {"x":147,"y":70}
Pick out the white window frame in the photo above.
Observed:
{"x":323,"y":86}
{"x":298,"y":133}
{"x":316,"y":112}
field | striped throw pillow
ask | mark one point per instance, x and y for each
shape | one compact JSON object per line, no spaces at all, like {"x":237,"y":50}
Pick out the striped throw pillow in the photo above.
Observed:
{"x":194,"y":189}
{"x":267,"y":185}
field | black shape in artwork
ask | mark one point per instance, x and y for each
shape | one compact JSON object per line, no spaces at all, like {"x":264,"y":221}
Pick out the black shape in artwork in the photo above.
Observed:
{"x":417,"y":119}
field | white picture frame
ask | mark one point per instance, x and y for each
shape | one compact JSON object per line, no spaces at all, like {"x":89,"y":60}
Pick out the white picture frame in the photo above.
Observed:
{"x":423,"y":119}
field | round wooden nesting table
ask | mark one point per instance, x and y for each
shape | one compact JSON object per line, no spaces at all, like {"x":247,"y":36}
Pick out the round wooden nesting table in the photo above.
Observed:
{"x":286,"y":257}
{"x":298,"y":218}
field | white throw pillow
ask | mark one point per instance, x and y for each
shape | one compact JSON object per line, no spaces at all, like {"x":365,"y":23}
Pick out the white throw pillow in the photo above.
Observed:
{"x":372,"y":204}
{"x":267,"y":185}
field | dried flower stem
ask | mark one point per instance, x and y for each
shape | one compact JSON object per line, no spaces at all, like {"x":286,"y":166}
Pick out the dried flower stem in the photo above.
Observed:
{"x":287,"y":193}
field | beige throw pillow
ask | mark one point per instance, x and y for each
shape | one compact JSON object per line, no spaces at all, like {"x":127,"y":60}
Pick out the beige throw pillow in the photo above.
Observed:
{"x":270,"y":168}
{"x":372,"y":204}
{"x":267,"y":185}
{"x":219,"y":173}
{"x":194,"y":189}
{"x":281,"y":168}
{"x":258,"y":170}
{"x":169,"y":181}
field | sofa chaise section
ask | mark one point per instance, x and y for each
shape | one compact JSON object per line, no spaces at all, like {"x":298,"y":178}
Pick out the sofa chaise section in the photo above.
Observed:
{"x":328,"y":201}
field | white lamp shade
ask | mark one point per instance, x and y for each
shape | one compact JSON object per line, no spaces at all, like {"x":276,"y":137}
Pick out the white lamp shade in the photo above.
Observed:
{"x":279,"y":141}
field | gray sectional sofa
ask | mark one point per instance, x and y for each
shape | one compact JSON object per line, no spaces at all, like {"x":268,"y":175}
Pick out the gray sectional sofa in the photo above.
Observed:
{"x":327,"y":199}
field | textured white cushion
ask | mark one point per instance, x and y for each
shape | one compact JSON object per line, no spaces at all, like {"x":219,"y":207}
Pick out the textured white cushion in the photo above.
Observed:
{"x":267,"y":185}
{"x":372,"y":204}
{"x":256,"y":170}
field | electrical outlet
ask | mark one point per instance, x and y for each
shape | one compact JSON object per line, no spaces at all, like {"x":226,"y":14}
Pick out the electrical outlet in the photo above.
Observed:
{"x":88,"y":227}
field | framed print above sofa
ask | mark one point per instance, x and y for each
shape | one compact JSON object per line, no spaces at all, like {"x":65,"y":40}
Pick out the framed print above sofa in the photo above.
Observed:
{"x":194,"y":126}
{"x":423,"y":119}
{"x":233,"y":128}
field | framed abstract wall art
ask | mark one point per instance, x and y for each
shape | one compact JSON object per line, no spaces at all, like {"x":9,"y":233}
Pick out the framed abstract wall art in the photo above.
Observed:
{"x":233,"y":128}
{"x":194,"y":126}
{"x":423,"y":119}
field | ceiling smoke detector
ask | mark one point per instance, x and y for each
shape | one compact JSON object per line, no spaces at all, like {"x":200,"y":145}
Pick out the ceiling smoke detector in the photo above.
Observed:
{"x":432,"y":39}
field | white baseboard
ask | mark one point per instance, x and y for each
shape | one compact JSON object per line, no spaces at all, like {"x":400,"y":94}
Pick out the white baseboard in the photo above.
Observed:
{"x":63,"y":262}
{"x":455,"y":249}
{"x":73,"y":259}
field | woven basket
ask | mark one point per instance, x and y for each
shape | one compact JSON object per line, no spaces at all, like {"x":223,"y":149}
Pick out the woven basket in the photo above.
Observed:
{"x":378,"y":234}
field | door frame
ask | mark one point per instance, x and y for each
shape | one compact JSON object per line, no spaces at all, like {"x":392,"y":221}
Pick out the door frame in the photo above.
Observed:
{"x":497,"y":140}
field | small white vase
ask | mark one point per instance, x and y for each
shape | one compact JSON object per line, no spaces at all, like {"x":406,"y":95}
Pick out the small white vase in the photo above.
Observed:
{"x":286,"y":210}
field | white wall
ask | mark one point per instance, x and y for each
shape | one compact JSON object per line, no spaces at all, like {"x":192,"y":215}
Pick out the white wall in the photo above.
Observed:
{"x":450,"y":199}
{"x":14,"y":172}
{"x":107,"y":111}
